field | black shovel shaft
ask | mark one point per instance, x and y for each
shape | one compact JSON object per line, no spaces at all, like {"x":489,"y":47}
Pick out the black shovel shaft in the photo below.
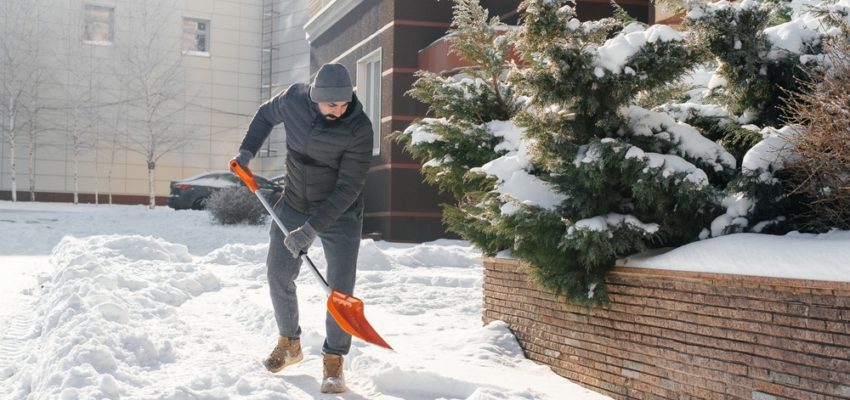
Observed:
{"x":283,"y":229}
{"x":316,"y":270}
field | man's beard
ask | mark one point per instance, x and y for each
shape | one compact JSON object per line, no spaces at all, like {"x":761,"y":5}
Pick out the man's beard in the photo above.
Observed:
{"x":331,"y":117}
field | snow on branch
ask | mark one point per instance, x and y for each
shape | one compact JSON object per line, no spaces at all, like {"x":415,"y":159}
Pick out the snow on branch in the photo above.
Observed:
{"x":690,"y":143}
{"x":515,"y":185}
{"x":616,"y":52}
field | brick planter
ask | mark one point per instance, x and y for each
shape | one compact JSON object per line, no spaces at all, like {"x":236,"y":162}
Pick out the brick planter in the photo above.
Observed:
{"x":679,"y":335}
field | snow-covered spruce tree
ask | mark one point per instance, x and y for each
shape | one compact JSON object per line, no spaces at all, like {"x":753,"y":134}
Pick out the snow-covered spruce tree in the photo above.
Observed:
{"x":620,"y":178}
{"x":755,"y":68}
{"x":763,"y":49}
{"x":464,"y":133}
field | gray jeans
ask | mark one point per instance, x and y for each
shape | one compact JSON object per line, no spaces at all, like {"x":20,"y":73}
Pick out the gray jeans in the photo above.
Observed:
{"x":341,"y":243}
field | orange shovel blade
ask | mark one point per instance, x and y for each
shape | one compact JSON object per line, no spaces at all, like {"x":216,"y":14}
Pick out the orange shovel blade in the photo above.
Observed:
{"x":348,"y":313}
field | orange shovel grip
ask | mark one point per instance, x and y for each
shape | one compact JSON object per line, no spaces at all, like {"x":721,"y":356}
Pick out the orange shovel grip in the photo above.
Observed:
{"x":245,"y":175}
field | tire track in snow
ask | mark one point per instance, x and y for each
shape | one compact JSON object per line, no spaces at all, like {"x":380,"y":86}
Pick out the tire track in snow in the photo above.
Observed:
{"x":15,"y":334}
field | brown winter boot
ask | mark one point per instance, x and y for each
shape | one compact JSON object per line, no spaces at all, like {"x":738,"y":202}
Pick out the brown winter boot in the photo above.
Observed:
{"x":286,"y":353}
{"x":333,"y":381}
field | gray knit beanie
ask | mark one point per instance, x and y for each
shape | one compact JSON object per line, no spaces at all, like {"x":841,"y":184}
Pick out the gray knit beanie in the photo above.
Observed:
{"x":331,"y":85}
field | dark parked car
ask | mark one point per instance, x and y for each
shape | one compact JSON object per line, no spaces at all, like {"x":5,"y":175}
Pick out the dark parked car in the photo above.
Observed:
{"x":192,"y":193}
{"x":278,"y":179}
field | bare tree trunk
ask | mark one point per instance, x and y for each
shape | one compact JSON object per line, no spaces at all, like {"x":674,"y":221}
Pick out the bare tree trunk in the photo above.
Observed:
{"x":151,"y":181}
{"x":155,"y":79}
{"x":31,"y":158}
{"x":109,"y":172}
{"x":12,"y":112}
{"x":96,"y":171}
{"x":76,"y":178}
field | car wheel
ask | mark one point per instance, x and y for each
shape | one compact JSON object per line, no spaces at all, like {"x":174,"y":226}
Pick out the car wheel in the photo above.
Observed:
{"x":199,"y":203}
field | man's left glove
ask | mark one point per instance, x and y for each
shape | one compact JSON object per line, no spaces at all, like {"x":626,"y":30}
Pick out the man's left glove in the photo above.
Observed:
{"x":243,"y":158}
{"x":300,"y":239}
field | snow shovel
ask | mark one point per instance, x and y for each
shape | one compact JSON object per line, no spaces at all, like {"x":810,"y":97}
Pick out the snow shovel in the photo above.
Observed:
{"x":346,"y":310}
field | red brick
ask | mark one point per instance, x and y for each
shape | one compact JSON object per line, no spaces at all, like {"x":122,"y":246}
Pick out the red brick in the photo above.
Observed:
{"x":685,"y":335}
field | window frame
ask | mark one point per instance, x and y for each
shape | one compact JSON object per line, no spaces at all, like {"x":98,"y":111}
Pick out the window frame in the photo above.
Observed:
{"x":91,"y":19}
{"x":195,"y":32}
{"x":369,"y":75}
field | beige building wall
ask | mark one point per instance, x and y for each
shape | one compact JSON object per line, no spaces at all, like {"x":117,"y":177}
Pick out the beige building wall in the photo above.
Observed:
{"x":219,"y":91}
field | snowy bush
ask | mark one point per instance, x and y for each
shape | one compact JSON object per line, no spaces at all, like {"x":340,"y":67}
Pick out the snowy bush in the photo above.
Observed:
{"x":578,"y":176}
{"x":821,"y":171}
{"x":766,"y":52}
{"x":625,"y":178}
{"x":236,"y":205}
{"x":610,"y":137}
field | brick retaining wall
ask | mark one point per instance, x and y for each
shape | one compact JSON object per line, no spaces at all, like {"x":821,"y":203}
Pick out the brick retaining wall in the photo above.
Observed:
{"x":683,"y":335}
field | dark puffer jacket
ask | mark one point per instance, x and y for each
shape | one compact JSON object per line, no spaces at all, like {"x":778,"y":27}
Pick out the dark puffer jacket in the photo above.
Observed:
{"x":326,"y":161}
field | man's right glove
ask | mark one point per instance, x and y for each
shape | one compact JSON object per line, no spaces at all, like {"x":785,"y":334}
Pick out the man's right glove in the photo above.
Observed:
{"x":243,"y":158}
{"x":299,"y":240}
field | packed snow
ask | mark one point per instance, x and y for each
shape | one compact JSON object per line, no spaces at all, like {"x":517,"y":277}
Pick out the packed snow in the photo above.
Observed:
{"x":115,"y":302}
{"x":795,"y":255}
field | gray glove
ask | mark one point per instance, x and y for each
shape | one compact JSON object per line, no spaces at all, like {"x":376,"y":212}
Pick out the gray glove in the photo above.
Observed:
{"x":300,"y":239}
{"x":243,"y":158}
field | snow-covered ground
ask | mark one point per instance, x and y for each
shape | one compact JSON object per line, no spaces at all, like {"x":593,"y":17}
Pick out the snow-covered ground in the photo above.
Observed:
{"x":121,"y":301}
{"x":125,"y":302}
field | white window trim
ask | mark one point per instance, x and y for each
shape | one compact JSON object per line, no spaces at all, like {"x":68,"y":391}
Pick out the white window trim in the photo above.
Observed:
{"x":375,"y":55}
{"x":209,"y":36}
{"x":111,"y":8}
{"x":98,"y":43}
{"x":329,"y":15}
{"x":196,"y":53}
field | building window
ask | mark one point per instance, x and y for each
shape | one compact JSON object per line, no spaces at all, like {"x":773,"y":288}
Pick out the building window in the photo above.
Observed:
{"x":369,"y":93}
{"x":98,"y":28}
{"x":196,"y":36}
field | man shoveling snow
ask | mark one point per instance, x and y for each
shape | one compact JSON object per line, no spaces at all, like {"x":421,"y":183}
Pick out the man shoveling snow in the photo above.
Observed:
{"x":329,"y":150}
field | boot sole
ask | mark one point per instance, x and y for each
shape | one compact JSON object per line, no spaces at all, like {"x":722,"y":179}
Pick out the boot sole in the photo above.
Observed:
{"x":334,"y":389}
{"x":288,"y":363}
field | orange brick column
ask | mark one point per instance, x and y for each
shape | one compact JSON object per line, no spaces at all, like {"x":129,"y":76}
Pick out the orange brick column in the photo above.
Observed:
{"x":682,"y":335}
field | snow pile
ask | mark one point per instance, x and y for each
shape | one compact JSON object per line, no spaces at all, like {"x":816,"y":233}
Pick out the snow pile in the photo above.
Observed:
{"x":795,"y":255}
{"x":440,"y":253}
{"x":371,"y":258}
{"x":515,"y":184}
{"x":237,"y":254}
{"x":106,"y":316}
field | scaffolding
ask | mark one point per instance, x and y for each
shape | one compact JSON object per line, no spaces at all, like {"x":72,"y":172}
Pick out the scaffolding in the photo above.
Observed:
{"x":268,"y":51}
